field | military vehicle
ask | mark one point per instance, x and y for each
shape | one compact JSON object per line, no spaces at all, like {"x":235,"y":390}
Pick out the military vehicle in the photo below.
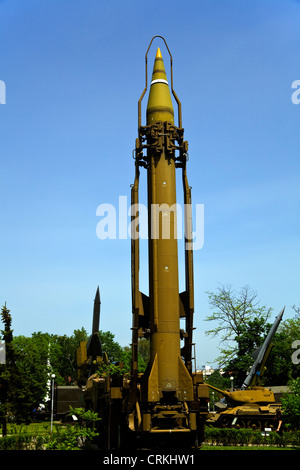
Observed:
{"x":252,"y":405}
{"x":255,"y":407}
{"x":64,"y":397}
{"x":169,"y":399}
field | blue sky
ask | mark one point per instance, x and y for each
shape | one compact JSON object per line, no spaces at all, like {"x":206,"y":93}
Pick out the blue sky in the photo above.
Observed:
{"x":74,"y":71}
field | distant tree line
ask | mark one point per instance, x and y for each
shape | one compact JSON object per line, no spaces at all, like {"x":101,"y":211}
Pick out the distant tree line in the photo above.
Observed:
{"x":30,"y":361}
{"x":237,"y":318}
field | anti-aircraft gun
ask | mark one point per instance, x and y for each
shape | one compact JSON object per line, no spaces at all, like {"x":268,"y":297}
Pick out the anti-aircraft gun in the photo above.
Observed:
{"x":252,"y":404}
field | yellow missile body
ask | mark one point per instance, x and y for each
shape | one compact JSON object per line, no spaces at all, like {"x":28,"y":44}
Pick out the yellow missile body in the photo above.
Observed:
{"x":167,"y":372}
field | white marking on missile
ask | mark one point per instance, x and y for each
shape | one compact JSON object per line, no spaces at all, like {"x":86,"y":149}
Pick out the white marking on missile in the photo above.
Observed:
{"x":159,"y":80}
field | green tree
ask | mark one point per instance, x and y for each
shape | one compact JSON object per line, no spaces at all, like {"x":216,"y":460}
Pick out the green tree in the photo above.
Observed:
{"x":232,"y":312}
{"x":296,"y":309}
{"x":37,"y":357}
{"x":31,"y":361}
{"x":280,"y":368}
{"x":63,"y":356}
{"x":144,"y":349}
{"x":112,"y":348}
{"x":251,"y":337}
{"x":33,"y":369}
{"x":220,"y":381}
{"x":7,"y":368}
{"x":126,"y":359}
{"x":290,"y":330}
{"x":41,"y":355}
{"x":291,"y":404}
{"x":16,"y":399}
{"x":77,"y":436}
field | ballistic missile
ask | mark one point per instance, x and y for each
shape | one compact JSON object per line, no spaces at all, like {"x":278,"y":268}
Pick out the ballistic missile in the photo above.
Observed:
{"x":262,"y":354}
{"x":158,"y":316}
{"x":93,"y":346}
{"x":167,"y":369}
{"x":168,"y":397}
{"x":96,"y":312}
{"x":89,"y":352}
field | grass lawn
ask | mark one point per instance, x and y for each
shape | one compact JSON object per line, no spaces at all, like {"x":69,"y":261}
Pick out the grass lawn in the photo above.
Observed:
{"x":34,"y":429}
{"x":247,"y":448}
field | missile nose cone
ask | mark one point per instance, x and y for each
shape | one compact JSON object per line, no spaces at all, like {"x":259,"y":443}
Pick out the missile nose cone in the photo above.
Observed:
{"x":97,"y":296}
{"x":160,"y":107}
{"x":158,"y":54}
{"x":96,"y":312}
{"x":282,"y":312}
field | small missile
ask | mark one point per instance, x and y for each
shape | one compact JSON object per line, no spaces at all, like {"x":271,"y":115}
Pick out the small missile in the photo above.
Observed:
{"x":96,"y":312}
{"x":264,"y":350}
{"x":93,"y":346}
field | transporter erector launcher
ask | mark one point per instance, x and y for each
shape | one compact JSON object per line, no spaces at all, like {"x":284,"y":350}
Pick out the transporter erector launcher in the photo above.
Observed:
{"x":169,"y":397}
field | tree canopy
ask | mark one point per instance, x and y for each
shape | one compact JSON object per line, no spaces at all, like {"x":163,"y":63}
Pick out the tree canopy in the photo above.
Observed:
{"x":232,"y":313}
{"x":25,"y":378}
{"x":242,"y":325}
{"x":240,"y":322}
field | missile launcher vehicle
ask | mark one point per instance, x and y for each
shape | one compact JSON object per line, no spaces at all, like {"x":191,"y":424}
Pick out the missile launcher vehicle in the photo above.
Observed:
{"x":252,"y":405}
{"x":169,"y":399}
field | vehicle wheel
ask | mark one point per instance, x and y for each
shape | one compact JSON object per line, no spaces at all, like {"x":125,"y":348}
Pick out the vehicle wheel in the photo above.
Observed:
{"x":224,"y":421}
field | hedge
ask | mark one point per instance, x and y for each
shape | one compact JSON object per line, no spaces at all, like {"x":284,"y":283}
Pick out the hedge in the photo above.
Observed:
{"x":213,"y":436}
{"x":233,"y":437}
{"x":23,"y":442}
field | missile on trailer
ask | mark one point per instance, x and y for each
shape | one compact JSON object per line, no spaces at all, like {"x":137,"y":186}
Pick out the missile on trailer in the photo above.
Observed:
{"x":262,"y":354}
{"x":167,"y":373}
{"x":168,"y":379}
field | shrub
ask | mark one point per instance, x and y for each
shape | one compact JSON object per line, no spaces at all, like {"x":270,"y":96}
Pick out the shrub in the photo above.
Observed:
{"x":17,"y":442}
{"x":75,"y":436}
{"x":243,"y":437}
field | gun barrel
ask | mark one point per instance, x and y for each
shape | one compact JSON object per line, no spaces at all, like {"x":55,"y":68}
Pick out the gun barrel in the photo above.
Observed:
{"x":223,"y":392}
